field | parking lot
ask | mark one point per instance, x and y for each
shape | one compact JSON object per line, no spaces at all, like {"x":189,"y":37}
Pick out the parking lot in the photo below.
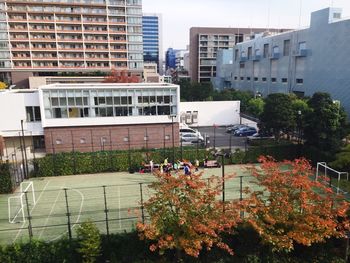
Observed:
{"x":219,"y":138}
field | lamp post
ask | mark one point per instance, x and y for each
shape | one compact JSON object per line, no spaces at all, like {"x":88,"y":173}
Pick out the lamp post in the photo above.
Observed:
{"x":223,"y":178}
{"x":172,"y":116}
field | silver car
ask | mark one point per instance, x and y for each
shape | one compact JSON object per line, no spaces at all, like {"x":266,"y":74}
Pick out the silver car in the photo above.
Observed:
{"x":193,"y":138}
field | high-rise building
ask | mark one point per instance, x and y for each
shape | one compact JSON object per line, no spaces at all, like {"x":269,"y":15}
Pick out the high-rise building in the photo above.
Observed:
{"x":49,"y":36}
{"x":170,"y":59}
{"x":301,"y":61}
{"x":152,"y":39}
{"x":206,"y":41}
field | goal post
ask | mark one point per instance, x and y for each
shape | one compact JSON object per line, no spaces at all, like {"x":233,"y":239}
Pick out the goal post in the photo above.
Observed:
{"x":324,"y":170}
{"x":17,"y":204}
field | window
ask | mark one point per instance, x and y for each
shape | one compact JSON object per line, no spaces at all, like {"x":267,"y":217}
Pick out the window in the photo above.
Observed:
{"x":286,"y":47}
{"x":242,"y":78}
{"x":33,"y":114}
{"x":256,"y":79}
{"x":241,"y":65}
{"x":337,"y":15}
{"x":82,"y":140}
{"x":235,"y":78}
{"x":300,"y":81}
{"x":58,"y":141}
{"x":284,"y":80}
{"x":236,"y":54}
{"x":276,"y":50}
{"x":250,"y":52}
{"x":248,"y":78}
{"x":264,"y":79}
{"x":273,"y":79}
{"x":266,"y":50}
{"x":302,"y":46}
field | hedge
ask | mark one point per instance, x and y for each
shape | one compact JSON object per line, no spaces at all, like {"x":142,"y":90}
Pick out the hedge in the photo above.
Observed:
{"x":127,"y":247}
{"x":5,"y":179}
{"x":107,"y":161}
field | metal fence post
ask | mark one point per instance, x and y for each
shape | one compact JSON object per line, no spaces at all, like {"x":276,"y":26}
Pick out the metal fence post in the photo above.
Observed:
{"x":241,"y":193}
{"x":142,"y":208}
{"x":106,"y":210}
{"x":223,"y":181}
{"x":29,"y":217}
{"x":68,"y":215}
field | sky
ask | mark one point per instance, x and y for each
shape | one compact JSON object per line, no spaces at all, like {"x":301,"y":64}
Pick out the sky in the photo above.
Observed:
{"x":180,"y":15}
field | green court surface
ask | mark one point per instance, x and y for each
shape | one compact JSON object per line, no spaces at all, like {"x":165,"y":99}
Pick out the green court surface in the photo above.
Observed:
{"x":86,"y":200}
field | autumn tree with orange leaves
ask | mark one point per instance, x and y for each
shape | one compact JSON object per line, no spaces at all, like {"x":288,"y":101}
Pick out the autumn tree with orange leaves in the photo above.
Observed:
{"x":292,"y":207}
{"x":121,"y":77}
{"x":186,"y":216}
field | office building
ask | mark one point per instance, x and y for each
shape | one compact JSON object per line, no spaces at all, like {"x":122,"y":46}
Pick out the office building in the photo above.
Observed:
{"x":303,"y":61}
{"x":206,"y":41}
{"x":170,"y":59}
{"x":46,"y":37}
{"x":152,"y":39}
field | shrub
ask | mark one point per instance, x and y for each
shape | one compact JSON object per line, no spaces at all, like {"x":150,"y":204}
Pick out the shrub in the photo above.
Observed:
{"x":89,"y":242}
{"x":5,"y":178}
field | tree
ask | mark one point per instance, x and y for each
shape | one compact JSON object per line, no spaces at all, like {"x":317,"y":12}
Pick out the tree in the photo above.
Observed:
{"x":186,"y":216}
{"x":256,"y":106}
{"x":325,"y":123}
{"x":121,"y":77}
{"x":89,"y":241}
{"x":292,"y":208}
{"x":278,"y":115}
{"x":3,"y":85}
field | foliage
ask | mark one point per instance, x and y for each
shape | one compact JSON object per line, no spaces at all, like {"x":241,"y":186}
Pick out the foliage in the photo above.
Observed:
{"x":278,"y":115}
{"x":325,"y":124}
{"x":192,"y":91}
{"x":255,"y":106}
{"x":117,"y":76}
{"x":5,"y":178}
{"x":186,"y":216}
{"x":89,"y":241}
{"x":342,"y":160}
{"x":292,"y":208}
{"x":3,"y":85}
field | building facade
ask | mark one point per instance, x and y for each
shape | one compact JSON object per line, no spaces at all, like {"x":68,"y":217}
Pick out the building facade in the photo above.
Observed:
{"x":45,"y":37}
{"x":92,"y":117}
{"x":204,"y":44}
{"x":302,"y":62}
{"x":152,"y":39}
{"x":170,"y":59}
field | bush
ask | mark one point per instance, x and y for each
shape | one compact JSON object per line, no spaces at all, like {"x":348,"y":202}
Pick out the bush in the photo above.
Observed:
{"x":5,"y":178}
{"x":89,"y":242}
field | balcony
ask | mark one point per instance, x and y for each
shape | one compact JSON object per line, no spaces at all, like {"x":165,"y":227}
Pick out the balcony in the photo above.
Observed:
{"x":302,"y":53}
{"x":256,"y":58}
{"x":243,"y":59}
{"x":275,"y":55}
{"x":72,"y":58}
{"x":45,"y":58}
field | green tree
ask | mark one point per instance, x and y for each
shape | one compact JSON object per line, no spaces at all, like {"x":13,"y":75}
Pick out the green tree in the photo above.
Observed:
{"x":325,"y":124}
{"x":255,"y":106}
{"x":278,"y":115}
{"x":89,"y":240}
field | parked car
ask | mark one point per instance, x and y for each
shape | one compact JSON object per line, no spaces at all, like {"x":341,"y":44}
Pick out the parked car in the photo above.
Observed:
{"x":259,"y":136}
{"x":193,"y":138}
{"x":188,"y":130}
{"x":245,"y":131}
{"x":233,"y":128}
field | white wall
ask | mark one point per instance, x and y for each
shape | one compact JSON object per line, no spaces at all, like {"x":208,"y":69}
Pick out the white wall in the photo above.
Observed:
{"x":213,"y":112}
{"x":12,"y":111}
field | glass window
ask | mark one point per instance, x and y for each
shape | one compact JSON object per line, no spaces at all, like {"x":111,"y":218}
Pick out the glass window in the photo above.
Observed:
{"x":266,"y":50}
{"x":286,"y":47}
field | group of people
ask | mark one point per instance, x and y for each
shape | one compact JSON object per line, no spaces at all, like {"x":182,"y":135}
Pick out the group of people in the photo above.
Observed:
{"x":167,"y":167}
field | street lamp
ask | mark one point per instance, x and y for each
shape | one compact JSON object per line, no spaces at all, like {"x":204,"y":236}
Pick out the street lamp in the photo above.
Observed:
{"x":223,"y":178}
{"x":172,"y":116}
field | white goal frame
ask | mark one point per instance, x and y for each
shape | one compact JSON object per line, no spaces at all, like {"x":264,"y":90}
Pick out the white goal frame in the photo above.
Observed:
{"x":24,"y":187}
{"x":340,"y":174}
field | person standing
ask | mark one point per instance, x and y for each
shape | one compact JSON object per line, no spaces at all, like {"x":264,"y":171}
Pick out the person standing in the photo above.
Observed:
{"x":151,"y":164}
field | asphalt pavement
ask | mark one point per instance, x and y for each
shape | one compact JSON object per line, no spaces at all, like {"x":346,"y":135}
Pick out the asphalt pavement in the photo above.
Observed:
{"x":219,"y":138}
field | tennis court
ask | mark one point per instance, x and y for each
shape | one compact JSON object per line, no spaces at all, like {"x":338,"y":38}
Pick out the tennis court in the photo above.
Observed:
{"x":116,"y":206}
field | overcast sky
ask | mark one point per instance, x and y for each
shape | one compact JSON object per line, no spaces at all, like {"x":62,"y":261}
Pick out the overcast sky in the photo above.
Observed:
{"x":180,"y":15}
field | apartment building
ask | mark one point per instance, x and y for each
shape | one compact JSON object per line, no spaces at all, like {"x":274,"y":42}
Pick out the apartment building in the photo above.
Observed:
{"x":152,"y":39}
{"x":206,"y":41}
{"x":303,"y":61}
{"x":43,"y":37}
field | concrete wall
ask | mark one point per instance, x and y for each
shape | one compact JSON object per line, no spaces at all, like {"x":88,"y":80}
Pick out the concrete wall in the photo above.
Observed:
{"x":213,"y":112}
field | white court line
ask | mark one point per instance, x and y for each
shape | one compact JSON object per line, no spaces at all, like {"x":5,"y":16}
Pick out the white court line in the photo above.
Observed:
{"x":76,"y":221}
{"x":48,"y":217}
{"x":120,"y":221}
{"x":37,"y":201}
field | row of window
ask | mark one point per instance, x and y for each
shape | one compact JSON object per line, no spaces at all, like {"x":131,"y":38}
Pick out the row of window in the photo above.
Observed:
{"x":266,"y":50}
{"x":264,"y":79}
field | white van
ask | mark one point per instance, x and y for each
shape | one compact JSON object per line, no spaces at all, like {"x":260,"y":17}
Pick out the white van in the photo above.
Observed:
{"x":184,"y":129}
